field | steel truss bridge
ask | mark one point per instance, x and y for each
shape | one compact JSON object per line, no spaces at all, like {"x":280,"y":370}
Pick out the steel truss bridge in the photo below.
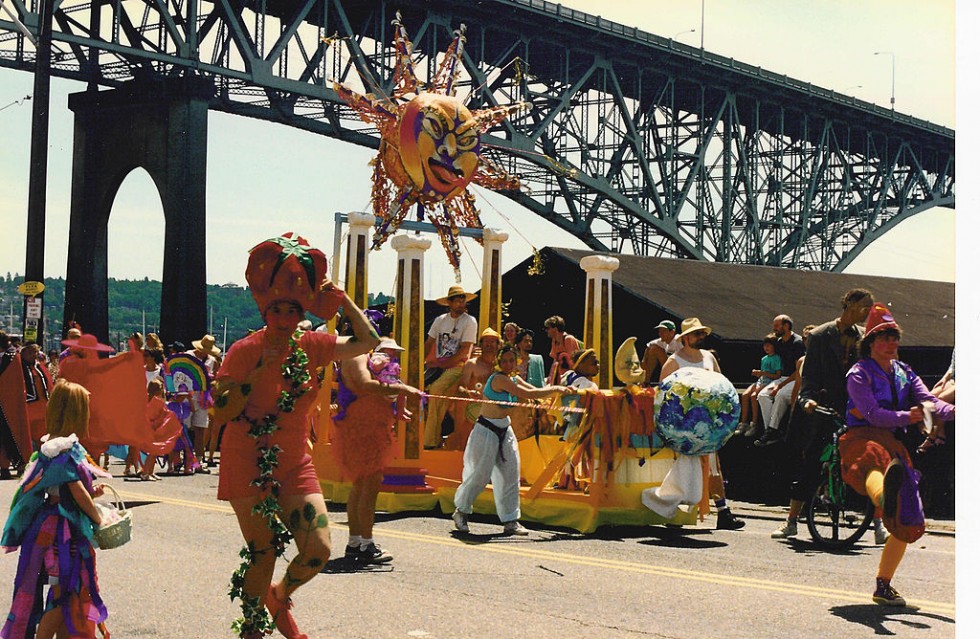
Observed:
{"x":633,"y":143}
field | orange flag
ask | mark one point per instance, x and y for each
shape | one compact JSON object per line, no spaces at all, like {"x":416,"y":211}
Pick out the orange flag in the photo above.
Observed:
{"x":13,"y":401}
{"x":118,"y":402}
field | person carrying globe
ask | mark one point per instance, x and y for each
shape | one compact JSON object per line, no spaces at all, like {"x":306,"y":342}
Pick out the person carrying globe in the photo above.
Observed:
{"x":665,"y":499}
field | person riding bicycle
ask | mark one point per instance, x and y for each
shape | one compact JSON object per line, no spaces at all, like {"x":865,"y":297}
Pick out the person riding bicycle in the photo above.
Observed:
{"x":832,"y":348}
{"x":883,"y":396}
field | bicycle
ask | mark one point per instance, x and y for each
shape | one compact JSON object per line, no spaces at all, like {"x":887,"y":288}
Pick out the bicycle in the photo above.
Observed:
{"x":838,"y":515}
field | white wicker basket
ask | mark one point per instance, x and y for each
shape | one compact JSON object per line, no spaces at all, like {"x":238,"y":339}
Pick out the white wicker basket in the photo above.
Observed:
{"x":118,"y":532}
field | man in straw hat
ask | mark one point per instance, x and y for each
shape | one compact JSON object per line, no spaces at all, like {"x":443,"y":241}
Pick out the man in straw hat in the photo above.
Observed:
{"x":447,"y":347}
{"x":692,"y":353}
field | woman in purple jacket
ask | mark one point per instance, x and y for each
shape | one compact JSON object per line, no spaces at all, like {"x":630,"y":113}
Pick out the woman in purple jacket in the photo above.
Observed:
{"x":885,"y":395}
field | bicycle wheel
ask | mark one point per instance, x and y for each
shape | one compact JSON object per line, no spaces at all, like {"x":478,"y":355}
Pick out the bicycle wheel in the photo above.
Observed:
{"x":835,"y":523}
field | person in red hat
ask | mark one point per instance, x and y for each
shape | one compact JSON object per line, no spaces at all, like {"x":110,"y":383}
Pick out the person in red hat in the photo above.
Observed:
{"x":265,"y":388}
{"x":884,"y":395}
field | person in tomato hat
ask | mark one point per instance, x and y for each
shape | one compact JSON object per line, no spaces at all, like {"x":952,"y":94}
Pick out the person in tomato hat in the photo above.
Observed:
{"x":884,"y":395}
{"x":265,"y":388}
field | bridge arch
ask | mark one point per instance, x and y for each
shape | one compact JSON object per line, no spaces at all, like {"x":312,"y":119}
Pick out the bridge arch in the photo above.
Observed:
{"x":160,"y":127}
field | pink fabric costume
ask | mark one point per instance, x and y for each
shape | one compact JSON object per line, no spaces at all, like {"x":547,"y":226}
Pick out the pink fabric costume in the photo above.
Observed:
{"x":239,"y":455}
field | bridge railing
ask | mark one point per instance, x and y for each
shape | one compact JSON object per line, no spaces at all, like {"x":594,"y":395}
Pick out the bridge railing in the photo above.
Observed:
{"x":730,"y":63}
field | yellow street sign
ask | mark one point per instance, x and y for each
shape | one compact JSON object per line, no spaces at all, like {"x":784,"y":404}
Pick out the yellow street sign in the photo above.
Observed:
{"x":31,"y":288}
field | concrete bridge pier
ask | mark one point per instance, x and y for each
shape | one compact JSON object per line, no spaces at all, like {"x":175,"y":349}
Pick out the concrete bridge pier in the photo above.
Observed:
{"x":160,"y":126}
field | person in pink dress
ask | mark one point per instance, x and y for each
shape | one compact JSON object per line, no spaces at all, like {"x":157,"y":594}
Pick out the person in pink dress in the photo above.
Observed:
{"x":371,"y":397}
{"x":265,"y":388}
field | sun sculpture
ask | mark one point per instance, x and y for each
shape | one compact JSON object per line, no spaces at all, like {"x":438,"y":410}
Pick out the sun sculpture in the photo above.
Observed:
{"x":430,"y":148}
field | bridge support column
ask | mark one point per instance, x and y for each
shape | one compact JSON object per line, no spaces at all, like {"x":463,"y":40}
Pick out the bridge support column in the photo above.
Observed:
{"x":357,"y":256}
{"x":598,"y":312}
{"x":491,"y":291}
{"x":160,"y":126}
{"x":410,"y":326}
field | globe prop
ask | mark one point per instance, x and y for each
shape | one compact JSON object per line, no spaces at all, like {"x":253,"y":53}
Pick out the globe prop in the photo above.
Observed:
{"x":696,"y":411}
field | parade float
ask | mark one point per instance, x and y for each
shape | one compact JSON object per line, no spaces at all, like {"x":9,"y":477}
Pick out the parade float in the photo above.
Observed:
{"x":430,"y":152}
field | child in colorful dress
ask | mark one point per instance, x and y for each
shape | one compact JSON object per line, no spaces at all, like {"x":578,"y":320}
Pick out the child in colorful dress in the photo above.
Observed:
{"x":52,"y":520}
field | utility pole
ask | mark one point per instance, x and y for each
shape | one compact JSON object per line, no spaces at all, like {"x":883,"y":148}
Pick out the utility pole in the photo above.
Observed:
{"x":37,"y":189}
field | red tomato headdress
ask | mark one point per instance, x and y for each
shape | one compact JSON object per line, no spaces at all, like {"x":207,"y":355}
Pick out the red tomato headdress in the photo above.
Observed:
{"x":288,"y":269}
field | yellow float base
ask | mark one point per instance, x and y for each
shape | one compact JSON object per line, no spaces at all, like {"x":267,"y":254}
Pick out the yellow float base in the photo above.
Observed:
{"x":614,"y":503}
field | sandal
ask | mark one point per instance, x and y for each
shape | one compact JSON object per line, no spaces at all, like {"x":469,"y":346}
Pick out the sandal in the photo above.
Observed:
{"x":284,"y":621}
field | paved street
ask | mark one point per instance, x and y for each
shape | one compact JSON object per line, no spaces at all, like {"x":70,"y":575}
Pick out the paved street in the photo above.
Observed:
{"x":171,"y":580}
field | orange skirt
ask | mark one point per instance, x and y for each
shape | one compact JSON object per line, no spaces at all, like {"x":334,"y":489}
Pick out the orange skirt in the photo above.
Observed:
{"x":867,"y":448}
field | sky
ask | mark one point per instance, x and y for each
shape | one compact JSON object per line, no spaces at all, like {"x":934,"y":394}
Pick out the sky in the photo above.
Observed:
{"x":265,"y":178}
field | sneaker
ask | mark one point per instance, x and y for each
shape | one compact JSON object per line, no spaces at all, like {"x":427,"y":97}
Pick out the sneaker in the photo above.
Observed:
{"x":768,"y":438}
{"x":885,"y":595}
{"x":461,"y":520}
{"x":515,"y":528}
{"x":728,"y":521}
{"x":881,"y":535}
{"x":351,"y":553}
{"x":786,"y":531}
{"x":741,"y":428}
{"x":753,"y":431}
{"x":374,"y":555}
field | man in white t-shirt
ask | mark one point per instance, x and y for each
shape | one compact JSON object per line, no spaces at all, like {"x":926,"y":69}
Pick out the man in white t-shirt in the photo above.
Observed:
{"x":658,"y":350}
{"x":447,"y":347}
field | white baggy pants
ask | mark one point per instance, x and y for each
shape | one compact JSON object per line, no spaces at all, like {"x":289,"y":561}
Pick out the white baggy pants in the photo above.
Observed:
{"x":775,"y":404}
{"x":482,"y":463}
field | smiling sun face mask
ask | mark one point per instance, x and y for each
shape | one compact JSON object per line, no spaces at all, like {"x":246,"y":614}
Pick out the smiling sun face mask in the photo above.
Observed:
{"x":439,"y":145}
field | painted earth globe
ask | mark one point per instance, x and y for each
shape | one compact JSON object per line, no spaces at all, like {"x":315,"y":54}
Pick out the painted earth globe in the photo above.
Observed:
{"x":696,"y":411}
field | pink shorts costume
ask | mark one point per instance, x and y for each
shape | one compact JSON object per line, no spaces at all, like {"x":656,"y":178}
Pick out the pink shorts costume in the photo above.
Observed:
{"x":239,"y":452}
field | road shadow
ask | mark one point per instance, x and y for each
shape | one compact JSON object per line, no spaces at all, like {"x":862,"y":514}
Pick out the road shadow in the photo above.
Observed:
{"x":878,"y":618}
{"x":682,"y":538}
{"x":477,"y":539}
{"x":811,"y":548}
{"x":342,"y":565}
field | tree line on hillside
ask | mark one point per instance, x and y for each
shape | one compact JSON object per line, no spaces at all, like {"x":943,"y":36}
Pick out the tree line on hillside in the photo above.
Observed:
{"x":134,"y":305}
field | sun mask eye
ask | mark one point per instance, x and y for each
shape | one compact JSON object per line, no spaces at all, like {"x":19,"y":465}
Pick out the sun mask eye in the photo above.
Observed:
{"x":467,"y":140}
{"x":434,"y":124}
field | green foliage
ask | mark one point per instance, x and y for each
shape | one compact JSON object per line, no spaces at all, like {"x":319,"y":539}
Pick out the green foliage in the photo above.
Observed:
{"x":129,"y":299}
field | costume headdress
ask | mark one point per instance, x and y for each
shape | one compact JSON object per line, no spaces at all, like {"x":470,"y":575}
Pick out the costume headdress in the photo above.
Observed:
{"x":879,"y":319}
{"x":288,"y":269}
